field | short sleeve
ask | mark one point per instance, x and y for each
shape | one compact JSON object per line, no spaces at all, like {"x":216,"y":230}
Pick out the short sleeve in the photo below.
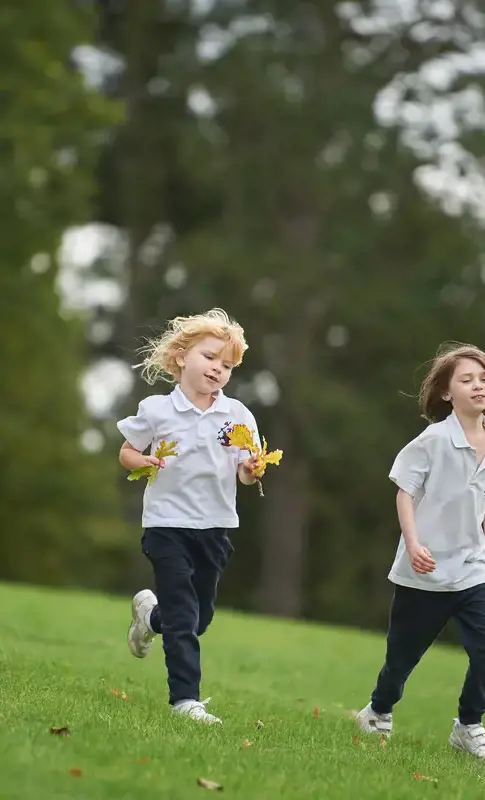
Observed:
{"x":411,"y":467}
{"x":250,"y":421}
{"x":137,"y":430}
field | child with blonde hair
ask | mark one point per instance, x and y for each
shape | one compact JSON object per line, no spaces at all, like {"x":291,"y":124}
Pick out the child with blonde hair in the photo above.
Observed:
{"x":439,"y":569}
{"x":191,"y":503}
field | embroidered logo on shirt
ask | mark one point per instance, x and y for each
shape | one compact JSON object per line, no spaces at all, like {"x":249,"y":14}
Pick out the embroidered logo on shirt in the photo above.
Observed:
{"x":223,"y":435}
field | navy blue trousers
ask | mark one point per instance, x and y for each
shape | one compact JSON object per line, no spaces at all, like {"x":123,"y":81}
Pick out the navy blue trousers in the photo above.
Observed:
{"x":417,"y":618}
{"x":187,"y":565}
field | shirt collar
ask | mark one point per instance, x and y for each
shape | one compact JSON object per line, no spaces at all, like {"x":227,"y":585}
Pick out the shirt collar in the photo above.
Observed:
{"x":182,"y":403}
{"x":456,"y":431}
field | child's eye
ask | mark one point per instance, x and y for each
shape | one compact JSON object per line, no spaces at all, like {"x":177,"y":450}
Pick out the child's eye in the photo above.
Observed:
{"x":209,"y":358}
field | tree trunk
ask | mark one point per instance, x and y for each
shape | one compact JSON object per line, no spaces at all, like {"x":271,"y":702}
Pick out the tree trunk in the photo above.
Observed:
{"x":284,"y":528}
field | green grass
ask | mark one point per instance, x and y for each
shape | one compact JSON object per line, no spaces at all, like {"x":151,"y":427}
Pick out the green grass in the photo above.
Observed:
{"x":62,"y":654}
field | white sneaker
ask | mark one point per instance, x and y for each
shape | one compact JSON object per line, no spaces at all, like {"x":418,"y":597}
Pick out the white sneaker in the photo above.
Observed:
{"x":195,"y":709}
{"x":470,"y":738}
{"x":371,"y":722}
{"x":140,"y":636}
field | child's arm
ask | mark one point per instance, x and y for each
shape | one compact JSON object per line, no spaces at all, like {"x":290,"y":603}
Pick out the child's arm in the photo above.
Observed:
{"x":421,"y":559}
{"x":130,"y":458}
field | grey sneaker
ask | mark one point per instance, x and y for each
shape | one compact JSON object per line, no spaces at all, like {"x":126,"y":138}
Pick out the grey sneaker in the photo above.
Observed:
{"x":470,"y":738}
{"x":371,"y":722}
{"x":140,"y":636}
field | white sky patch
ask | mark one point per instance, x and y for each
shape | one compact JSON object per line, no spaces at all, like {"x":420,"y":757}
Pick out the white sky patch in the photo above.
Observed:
{"x":106,"y":382}
{"x":96,"y":64}
{"x":79,"y":287}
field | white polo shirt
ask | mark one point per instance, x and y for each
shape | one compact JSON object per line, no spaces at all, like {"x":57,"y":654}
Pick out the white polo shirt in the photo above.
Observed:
{"x":439,"y":470}
{"x":196,"y":488}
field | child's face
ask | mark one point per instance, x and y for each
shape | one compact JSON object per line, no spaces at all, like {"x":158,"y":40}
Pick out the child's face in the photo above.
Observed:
{"x":467,"y":387}
{"x":206,"y":366}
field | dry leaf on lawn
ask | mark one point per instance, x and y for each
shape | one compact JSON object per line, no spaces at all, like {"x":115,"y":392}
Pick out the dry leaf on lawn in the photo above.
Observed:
{"x":418,"y":776}
{"x":355,"y":739}
{"x":118,"y":693}
{"x":143,"y":760}
{"x":60,"y":731}
{"x":246,"y":743}
{"x":75,"y":772}
{"x":205,"y":784}
{"x":316,"y":712}
{"x":383,"y":741}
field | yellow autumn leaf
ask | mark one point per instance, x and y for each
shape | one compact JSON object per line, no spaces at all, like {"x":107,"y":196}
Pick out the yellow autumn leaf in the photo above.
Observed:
{"x":241,"y":437}
{"x":274,"y":457}
{"x":165,"y":449}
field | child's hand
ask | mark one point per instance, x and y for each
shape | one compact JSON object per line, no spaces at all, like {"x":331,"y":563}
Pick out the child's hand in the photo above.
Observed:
{"x":421,"y":559}
{"x":250,"y":465}
{"x":152,"y":461}
{"x":246,"y":470}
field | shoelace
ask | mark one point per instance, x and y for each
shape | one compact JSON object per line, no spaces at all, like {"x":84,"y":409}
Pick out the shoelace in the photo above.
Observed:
{"x":477,"y":733}
{"x":198,"y":709}
{"x":383,"y":722}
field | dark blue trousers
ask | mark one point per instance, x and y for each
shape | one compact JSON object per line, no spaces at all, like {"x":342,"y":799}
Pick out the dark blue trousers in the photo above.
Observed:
{"x":417,"y":618}
{"x":187,"y":564}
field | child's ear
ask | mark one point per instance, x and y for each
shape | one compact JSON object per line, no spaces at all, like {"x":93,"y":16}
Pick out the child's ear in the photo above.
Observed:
{"x":179,"y":359}
{"x":446,"y":397}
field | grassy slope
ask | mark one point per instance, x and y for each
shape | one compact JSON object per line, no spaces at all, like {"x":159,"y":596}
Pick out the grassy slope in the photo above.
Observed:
{"x":62,"y":654}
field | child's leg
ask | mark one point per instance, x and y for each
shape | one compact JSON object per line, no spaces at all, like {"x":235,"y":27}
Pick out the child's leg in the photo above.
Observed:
{"x":176,"y":616}
{"x":212,"y":556}
{"x":470,"y":617}
{"x":417,"y":617}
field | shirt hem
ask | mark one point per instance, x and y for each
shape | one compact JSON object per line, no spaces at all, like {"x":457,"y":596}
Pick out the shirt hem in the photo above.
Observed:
{"x":202,"y":524}
{"x":446,"y":587}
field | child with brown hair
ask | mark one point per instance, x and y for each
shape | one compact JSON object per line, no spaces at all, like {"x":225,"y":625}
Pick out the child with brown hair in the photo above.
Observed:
{"x":439,"y":569}
{"x":191,"y":503}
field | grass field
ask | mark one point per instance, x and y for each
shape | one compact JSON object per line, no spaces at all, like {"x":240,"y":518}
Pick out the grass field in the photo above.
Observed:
{"x":63,"y":654}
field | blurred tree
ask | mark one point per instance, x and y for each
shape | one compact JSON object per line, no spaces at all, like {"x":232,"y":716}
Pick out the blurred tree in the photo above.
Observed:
{"x":257,"y":176}
{"x":58,"y":502}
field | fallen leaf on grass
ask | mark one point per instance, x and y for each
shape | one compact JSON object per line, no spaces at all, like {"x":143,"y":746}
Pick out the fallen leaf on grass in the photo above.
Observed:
{"x":118,"y":693}
{"x":356,"y":740}
{"x":205,"y":784}
{"x":75,"y":772}
{"x":316,"y":712}
{"x":143,"y":760}
{"x":383,"y":741}
{"x":259,"y":724}
{"x":418,"y":776}
{"x":60,"y":731}
{"x":247,"y":743}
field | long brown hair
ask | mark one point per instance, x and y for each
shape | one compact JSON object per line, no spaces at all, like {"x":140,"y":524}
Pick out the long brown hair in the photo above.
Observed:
{"x":437,"y":381}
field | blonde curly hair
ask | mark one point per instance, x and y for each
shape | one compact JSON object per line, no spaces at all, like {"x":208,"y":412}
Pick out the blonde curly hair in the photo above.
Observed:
{"x":182,"y":333}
